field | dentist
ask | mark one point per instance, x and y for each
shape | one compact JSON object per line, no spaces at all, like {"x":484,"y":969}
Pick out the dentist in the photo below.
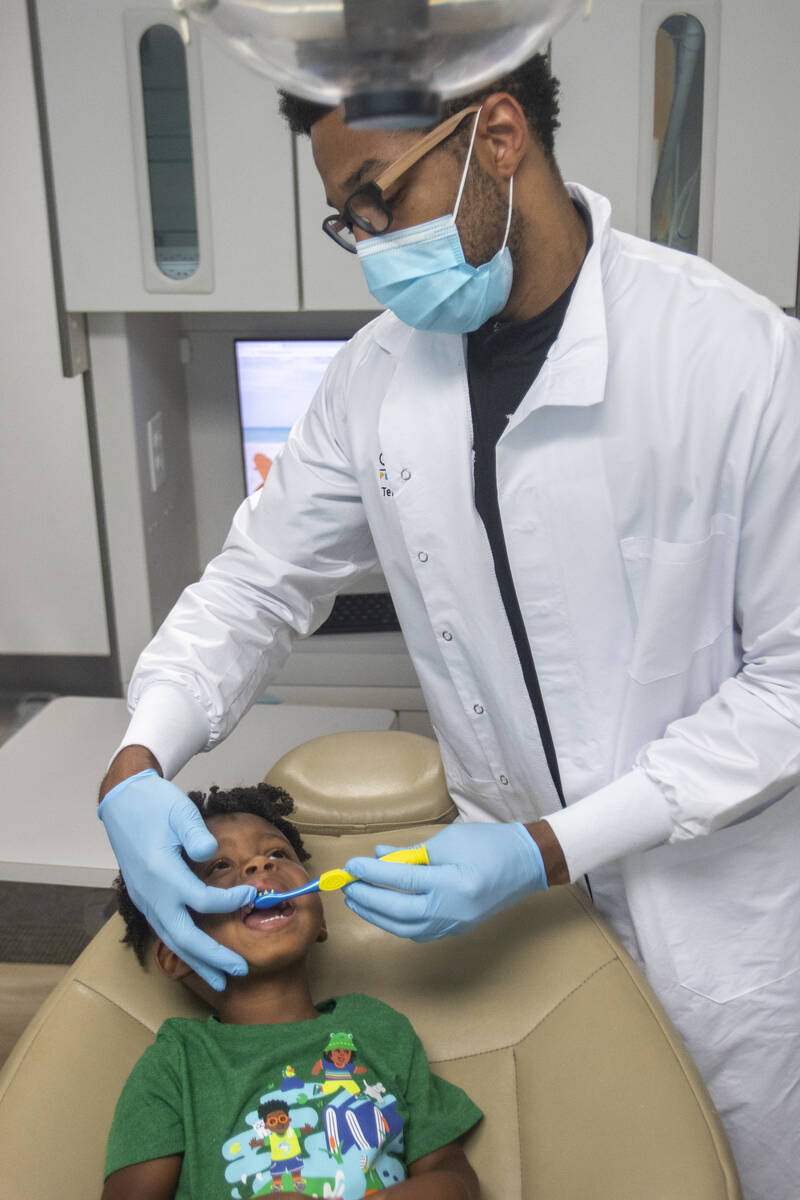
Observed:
{"x":591,"y":534}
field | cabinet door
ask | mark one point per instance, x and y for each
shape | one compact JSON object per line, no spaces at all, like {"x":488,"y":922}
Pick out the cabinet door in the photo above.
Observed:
{"x":597,"y":62}
{"x":53,"y":600}
{"x":757,"y":184}
{"x":750,"y":170}
{"x":616,"y":98}
{"x":241,"y":167}
{"x":332,"y":278}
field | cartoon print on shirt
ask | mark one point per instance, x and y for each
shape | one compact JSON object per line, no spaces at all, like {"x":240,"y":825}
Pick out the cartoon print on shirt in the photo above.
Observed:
{"x":336,"y":1059}
{"x":284,"y":1145}
{"x":333,"y":1138}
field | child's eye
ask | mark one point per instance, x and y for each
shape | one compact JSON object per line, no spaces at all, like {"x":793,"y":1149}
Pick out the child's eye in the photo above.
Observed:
{"x":220,"y":864}
{"x":278,"y":854}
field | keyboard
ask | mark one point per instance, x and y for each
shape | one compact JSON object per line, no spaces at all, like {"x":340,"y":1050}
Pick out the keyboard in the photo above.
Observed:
{"x":361,"y":612}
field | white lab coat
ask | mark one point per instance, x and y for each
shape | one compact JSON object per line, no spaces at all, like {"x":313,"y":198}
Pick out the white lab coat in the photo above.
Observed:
{"x":649,"y":487}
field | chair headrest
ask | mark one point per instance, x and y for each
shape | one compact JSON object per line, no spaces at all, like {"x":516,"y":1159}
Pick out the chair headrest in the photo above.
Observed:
{"x":366,"y":782}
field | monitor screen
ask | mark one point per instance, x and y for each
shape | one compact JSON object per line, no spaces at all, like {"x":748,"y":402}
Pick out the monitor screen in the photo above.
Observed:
{"x":276,"y":382}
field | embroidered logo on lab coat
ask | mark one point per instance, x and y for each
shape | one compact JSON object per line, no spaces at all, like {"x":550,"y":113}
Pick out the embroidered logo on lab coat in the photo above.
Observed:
{"x":383,"y":477}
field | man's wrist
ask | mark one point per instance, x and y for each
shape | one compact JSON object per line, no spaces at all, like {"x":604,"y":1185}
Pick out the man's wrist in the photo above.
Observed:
{"x":555,"y":864}
{"x":129,"y":761}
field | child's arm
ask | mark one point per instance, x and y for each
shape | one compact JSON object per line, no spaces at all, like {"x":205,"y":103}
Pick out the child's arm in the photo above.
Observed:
{"x":156,"y":1179}
{"x":443,"y":1175}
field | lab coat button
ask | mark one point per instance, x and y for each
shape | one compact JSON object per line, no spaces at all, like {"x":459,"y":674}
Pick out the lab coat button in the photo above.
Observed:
{"x":447,"y":635}
{"x":504,"y":780}
{"x":405,"y":473}
{"x":477,"y":708}
{"x":422,"y":556}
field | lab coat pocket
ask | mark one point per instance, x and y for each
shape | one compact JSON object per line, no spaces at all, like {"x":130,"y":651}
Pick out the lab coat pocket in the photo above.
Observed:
{"x":467,"y":781}
{"x":682,"y":595}
{"x":462,"y":774}
{"x":721,"y":912}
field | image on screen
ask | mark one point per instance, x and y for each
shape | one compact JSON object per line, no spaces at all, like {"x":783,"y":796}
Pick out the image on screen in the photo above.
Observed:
{"x":277,"y":381}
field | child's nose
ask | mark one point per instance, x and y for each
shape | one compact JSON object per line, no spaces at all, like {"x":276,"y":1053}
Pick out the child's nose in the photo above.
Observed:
{"x":259,"y":865}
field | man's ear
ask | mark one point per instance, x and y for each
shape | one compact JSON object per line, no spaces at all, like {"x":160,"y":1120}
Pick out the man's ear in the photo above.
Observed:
{"x":504,"y":135}
{"x":172,"y":966}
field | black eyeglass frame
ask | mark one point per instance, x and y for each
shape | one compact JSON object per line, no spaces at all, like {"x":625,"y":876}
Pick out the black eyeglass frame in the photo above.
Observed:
{"x":346,"y":219}
{"x":334,"y":223}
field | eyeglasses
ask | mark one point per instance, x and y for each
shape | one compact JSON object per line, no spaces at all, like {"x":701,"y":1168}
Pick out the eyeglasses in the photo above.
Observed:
{"x":366,"y":207}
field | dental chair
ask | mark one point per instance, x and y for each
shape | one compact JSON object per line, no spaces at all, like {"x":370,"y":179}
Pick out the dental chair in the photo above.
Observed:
{"x":539,"y":1014}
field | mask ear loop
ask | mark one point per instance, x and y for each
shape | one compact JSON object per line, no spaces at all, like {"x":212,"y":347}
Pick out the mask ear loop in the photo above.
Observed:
{"x":464,"y":180}
{"x":508,"y":222}
{"x":466,"y":164}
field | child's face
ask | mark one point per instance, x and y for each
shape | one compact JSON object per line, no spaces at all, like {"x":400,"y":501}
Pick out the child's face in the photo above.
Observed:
{"x":255,"y":852}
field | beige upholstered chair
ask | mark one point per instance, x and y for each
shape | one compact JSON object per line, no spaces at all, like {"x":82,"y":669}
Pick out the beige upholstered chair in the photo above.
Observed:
{"x":540,"y":1015}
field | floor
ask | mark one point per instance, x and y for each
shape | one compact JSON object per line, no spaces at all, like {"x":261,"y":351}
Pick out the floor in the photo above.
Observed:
{"x":43,"y":928}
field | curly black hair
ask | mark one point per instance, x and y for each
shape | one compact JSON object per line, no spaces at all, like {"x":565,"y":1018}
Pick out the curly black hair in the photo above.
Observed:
{"x":532,"y":85}
{"x":263,"y":800}
{"x":271,"y":1106}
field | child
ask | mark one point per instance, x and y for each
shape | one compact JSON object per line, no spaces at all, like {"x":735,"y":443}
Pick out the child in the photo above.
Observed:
{"x":229,"y":1107}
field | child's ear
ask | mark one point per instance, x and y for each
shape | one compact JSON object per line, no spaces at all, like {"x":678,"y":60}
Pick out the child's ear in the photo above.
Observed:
{"x":322,"y":936}
{"x":172,"y":966}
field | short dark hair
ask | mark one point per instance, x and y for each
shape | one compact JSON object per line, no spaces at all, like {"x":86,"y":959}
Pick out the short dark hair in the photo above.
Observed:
{"x":273,"y":804}
{"x":532,"y":85}
{"x":271,"y":1106}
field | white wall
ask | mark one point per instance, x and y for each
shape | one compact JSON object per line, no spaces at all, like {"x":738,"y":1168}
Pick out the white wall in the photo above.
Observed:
{"x":52,"y":583}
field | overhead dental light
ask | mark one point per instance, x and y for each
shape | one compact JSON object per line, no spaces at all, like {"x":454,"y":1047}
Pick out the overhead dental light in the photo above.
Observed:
{"x":392,"y":62}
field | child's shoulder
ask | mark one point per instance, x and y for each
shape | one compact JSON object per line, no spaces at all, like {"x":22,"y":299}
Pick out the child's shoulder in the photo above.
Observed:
{"x":368,"y":1008}
{"x":177,"y":1031}
{"x":166,"y":1055}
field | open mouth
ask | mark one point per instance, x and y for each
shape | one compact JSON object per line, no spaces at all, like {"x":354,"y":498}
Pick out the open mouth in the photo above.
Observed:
{"x":262,"y":918}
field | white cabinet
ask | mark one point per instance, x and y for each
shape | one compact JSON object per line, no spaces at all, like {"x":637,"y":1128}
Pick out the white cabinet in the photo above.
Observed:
{"x":242,"y":168}
{"x":597,"y":62}
{"x":757,"y":183}
{"x":53,"y":601}
{"x":750,"y":177}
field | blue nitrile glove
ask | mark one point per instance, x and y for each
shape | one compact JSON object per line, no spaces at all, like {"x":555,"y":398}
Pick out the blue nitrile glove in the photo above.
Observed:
{"x":148,"y":821}
{"x":476,"y":870}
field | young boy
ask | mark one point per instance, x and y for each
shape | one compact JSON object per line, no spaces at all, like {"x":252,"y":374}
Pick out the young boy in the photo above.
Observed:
{"x":229,"y":1107}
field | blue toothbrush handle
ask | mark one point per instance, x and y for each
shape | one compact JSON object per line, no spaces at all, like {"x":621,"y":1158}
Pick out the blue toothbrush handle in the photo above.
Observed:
{"x":270,"y":899}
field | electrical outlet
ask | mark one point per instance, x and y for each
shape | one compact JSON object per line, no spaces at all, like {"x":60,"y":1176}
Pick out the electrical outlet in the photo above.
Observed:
{"x":155,"y":451}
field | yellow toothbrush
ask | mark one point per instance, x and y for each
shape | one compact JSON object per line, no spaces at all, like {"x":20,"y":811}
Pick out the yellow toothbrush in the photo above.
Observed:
{"x":331,"y":881}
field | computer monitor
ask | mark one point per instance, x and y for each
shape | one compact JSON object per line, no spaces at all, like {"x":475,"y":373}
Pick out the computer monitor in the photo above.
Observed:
{"x":276,"y":382}
{"x":230,"y":360}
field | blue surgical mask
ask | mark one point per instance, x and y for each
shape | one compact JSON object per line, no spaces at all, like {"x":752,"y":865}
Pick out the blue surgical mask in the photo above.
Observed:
{"x":420,"y":273}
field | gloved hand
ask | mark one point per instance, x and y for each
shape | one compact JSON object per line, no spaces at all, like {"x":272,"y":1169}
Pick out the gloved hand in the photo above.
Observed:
{"x":148,"y":821}
{"x":476,"y":870}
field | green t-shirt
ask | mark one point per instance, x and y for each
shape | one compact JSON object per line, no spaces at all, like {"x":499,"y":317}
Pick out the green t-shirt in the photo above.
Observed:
{"x":343,"y":1100}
